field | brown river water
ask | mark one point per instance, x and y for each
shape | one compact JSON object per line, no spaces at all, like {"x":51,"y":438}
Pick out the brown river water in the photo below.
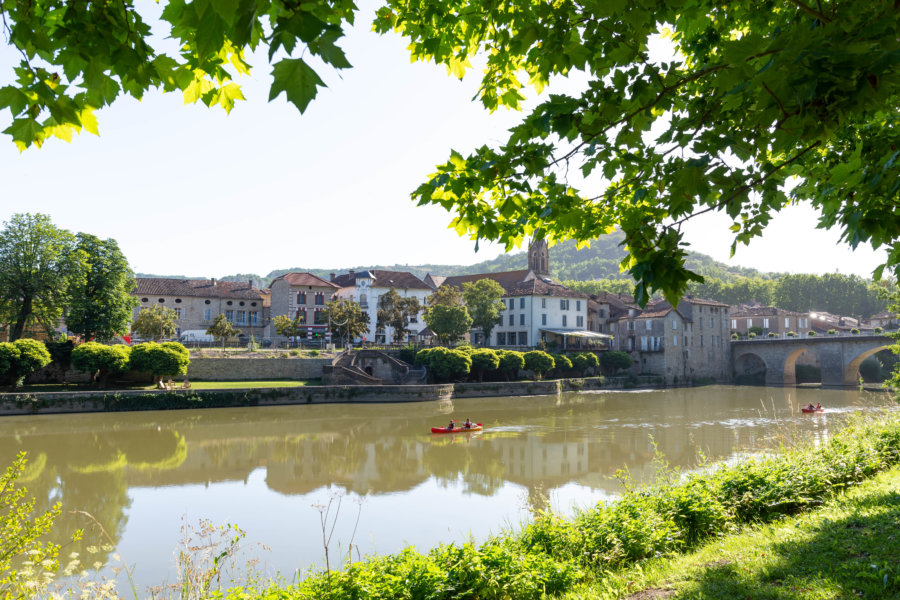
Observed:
{"x":148,"y":476}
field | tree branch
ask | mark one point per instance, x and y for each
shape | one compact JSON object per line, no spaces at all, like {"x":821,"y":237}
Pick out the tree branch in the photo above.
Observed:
{"x":809,"y":9}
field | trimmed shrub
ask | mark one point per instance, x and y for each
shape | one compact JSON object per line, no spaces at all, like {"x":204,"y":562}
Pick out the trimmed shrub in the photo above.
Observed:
{"x":20,"y":359}
{"x":614,"y":361}
{"x":484,"y":361}
{"x":879,"y":330}
{"x":539,"y":363}
{"x":584,"y":361}
{"x":101,"y":360}
{"x":61,"y":353}
{"x":444,"y":364}
{"x":751,"y":335}
{"x":511,"y":362}
{"x":854,"y":331}
{"x":561,"y":364}
{"x":831,"y":332}
{"x":160,"y":360}
{"x":811,"y":334}
{"x":791,"y":334}
{"x":734,"y":336}
{"x":772,"y":334}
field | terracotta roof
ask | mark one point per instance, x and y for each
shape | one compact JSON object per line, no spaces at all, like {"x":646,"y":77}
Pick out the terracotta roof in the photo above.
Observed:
{"x":763,"y":311}
{"x":386,"y":279}
{"x":507,"y":279}
{"x":307,"y":279}
{"x":885,"y":314}
{"x":203,"y":288}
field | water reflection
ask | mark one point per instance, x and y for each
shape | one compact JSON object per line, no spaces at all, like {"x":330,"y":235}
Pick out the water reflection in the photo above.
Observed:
{"x":575,"y":443}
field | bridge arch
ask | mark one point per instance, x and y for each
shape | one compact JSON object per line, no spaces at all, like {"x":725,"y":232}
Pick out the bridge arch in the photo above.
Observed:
{"x":750,"y":369}
{"x":790,"y":365}
{"x":851,"y":371}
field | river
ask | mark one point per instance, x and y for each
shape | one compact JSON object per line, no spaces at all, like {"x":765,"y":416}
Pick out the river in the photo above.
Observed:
{"x":146,"y":477}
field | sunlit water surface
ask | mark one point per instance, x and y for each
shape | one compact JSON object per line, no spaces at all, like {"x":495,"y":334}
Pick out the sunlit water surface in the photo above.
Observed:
{"x":149,"y":477}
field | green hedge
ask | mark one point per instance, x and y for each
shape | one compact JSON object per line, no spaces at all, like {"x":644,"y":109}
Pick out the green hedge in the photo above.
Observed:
{"x":553,"y":554}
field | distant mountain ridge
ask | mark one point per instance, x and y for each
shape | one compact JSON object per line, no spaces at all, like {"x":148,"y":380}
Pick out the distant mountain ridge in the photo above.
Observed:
{"x":599,"y":261}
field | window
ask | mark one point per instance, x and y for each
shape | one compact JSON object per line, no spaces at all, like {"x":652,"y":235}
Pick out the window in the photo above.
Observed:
{"x":501,"y":338}
{"x":207,"y":314}
{"x":362,"y":301}
{"x":320,"y":317}
{"x":522,"y":319}
{"x":787,"y":322}
{"x":766,"y":323}
{"x":749,"y":323}
{"x":301,"y":314}
{"x":229,"y":316}
{"x":578,"y":305}
{"x":413,"y":318}
{"x":579,"y":321}
{"x":512,"y":319}
{"x":521,"y":302}
{"x":241,"y":317}
{"x":563,"y":305}
{"x":674,"y":340}
{"x":543,"y":302}
{"x":602,"y":313}
{"x":254,"y":318}
{"x":674,"y":325}
{"x":630,"y":326}
{"x":320,"y":299}
{"x":178,"y":312}
{"x":734,"y":323}
{"x":145,"y":299}
{"x":564,"y":320}
{"x":544,"y":319}
{"x":523,"y":338}
{"x":301,"y":297}
{"x":649,"y":324}
{"x":643,"y":343}
{"x":701,"y":341}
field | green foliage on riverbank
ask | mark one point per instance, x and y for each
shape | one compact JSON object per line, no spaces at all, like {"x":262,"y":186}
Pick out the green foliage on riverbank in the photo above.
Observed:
{"x":553,"y":554}
{"x":846,"y":549}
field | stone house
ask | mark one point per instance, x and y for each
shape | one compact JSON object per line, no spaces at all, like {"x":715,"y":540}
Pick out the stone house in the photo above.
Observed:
{"x":366,"y":287}
{"x":303,"y":296}
{"x":769,"y":318}
{"x":885,"y":319}
{"x":197,"y":302}
{"x":680,"y":343}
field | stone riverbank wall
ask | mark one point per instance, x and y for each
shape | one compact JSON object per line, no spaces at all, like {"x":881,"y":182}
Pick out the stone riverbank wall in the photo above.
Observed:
{"x":131,"y":400}
{"x":250,"y":369}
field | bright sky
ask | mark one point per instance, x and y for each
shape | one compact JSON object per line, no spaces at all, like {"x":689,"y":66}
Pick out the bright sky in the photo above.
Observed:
{"x":189,"y":190}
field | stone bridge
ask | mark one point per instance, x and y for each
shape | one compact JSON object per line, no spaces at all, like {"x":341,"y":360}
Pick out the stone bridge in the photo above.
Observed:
{"x":839,"y":357}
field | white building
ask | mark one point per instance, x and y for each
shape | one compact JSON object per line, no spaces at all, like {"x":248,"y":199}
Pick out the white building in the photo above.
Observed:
{"x":366,"y":287}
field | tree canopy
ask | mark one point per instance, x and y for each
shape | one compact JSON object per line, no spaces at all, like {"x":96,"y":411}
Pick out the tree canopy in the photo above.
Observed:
{"x":760,"y":104}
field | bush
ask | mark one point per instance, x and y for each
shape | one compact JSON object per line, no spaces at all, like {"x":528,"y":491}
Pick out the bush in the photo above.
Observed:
{"x":160,"y":360}
{"x":61,"y":353}
{"x":614,"y":361}
{"x":101,"y":360}
{"x":561,"y":364}
{"x":831,"y":332}
{"x":20,"y":359}
{"x":854,"y":331}
{"x":583,"y":361}
{"x":791,"y":334}
{"x":772,"y":334}
{"x":879,"y":330}
{"x":735,"y":336}
{"x":755,"y":331}
{"x":511,"y":362}
{"x":484,"y":360}
{"x":751,"y":335}
{"x":872,"y":371}
{"x":538,"y":363}
{"x":407,"y":353}
{"x":811,"y":334}
{"x":444,"y":364}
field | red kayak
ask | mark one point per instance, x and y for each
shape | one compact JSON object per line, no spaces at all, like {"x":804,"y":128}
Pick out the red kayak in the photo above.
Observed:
{"x":460,"y":429}
{"x":812,"y":410}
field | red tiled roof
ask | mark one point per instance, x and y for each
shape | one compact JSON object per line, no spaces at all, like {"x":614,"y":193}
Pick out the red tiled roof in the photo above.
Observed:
{"x":514,"y":284}
{"x":703,"y":301}
{"x":307,"y":279}
{"x":203,"y":288}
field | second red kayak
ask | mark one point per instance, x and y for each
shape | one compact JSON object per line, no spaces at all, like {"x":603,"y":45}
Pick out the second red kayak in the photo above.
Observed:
{"x":813,"y":410}
{"x":460,"y":429}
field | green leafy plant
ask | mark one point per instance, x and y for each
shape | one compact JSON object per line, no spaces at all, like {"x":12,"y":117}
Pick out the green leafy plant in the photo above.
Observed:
{"x":511,"y":362}
{"x":160,"y":360}
{"x":484,"y":361}
{"x":811,"y":334}
{"x":614,"y":361}
{"x":832,"y":332}
{"x":101,"y":360}
{"x":539,"y":362}
{"x":854,"y":331}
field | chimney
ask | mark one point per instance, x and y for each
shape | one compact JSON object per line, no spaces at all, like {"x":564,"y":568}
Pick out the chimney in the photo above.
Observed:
{"x":352,"y":272}
{"x":213,"y":281}
{"x":331,"y":276}
{"x":250,"y":282}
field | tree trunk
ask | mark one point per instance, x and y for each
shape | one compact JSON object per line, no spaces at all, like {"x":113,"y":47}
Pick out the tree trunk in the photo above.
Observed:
{"x":19,"y":328}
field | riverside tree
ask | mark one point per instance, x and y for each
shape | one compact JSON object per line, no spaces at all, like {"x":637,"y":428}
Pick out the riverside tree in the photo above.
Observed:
{"x":752,"y":95}
{"x":395,"y":311}
{"x":155,"y":323}
{"x":482,"y":298}
{"x":36,"y":265}
{"x":100,"y":303}
{"x":222,"y":329}
{"x":348,"y":320}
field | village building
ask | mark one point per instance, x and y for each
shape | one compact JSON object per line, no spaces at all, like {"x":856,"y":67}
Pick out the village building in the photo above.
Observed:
{"x":301,"y":296}
{"x":366,"y":287}
{"x":885,"y":319}
{"x":197,"y":302}
{"x":681,"y":344}
{"x":767,"y":319}
{"x":537,"y":307}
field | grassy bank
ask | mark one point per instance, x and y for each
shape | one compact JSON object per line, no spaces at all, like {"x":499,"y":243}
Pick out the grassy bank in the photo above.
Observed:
{"x":850,"y":548}
{"x":556,"y":556}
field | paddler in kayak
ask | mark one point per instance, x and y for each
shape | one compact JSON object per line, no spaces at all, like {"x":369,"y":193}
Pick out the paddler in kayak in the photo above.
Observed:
{"x":468,"y":423}
{"x":450,"y":426}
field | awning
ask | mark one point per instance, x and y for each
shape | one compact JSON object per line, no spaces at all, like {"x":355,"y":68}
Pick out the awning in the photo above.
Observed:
{"x":580,"y":333}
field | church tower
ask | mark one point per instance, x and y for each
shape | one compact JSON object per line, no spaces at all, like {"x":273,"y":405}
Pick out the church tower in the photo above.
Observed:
{"x":539,"y":257}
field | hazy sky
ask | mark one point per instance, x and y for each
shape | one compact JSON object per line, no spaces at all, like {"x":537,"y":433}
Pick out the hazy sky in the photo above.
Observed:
{"x":189,"y":190}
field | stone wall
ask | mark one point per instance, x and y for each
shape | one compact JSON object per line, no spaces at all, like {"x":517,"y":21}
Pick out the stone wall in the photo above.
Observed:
{"x":249,"y":369}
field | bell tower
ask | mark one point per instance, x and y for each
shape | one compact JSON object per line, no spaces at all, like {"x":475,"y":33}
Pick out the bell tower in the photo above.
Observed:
{"x":539,"y":257}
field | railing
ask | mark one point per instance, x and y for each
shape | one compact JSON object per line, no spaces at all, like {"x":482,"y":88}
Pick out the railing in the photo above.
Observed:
{"x":783,"y":335}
